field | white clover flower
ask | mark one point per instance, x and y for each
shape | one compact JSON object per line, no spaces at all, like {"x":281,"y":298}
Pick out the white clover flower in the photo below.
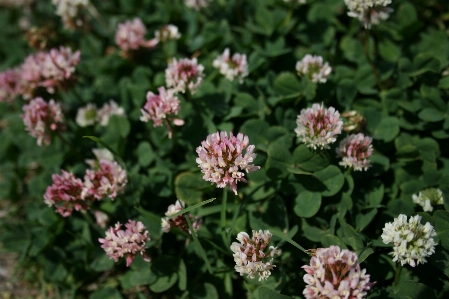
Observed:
{"x":69,"y":10}
{"x":102,"y":154}
{"x":314,"y":68}
{"x":87,"y":115}
{"x":232,"y":67}
{"x":412,"y":241}
{"x":196,"y":4}
{"x":252,"y":257}
{"x":369,"y":12}
{"x":109,"y":109}
{"x":166,"y":33}
{"x":428,"y":198}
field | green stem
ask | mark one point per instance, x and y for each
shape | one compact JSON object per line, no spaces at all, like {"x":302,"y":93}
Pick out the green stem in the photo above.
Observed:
{"x":223,"y":217}
{"x":197,"y":243}
{"x":397,"y":275}
{"x":373,"y":66}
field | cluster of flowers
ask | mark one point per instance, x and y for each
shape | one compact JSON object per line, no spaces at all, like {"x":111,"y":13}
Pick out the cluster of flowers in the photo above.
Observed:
{"x":369,"y":12}
{"x":42,"y":118}
{"x":179,"y":221}
{"x":313,"y":67}
{"x":130,"y":35}
{"x":253,"y":256}
{"x":412,"y":241}
{"x":69,"y":11}
{"x":335,"y":273}
{"x":222,"y":161}
{"x":428,"y":198}
{"x":51,"y":70}
{"x":126,"y":242}
{"x":319,"y":127}
{"x":105,"y":179}
{"x":89,"y":114}
{"x":232,"y":67}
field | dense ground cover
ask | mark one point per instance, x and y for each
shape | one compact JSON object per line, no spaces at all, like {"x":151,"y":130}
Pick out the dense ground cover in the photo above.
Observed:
{"x":335,"y":115}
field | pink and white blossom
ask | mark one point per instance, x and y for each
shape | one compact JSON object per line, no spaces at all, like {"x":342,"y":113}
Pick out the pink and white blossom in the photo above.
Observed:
{"x":52,"y":70}
{"x":232,"y":67}
{"x":184,"y":74}
{"x":314,"y":68}
{"x":161,"y":109}
{"x":318,"y":127}
{"x":335,"y":273}
{"x":130,"y":35}
{"x":222,"y":160}
{"x":179,"y":221}
{"x":11,"y":85}
{"x":355,"y":151}
{"x":253,"y":256}
{"x":41,"y":118}
{"x":65,"y":194}
{"x":126,"y":242}
{"x":104,"y":179}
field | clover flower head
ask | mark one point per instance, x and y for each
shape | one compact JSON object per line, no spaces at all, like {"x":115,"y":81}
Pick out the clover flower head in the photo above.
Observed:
{"x":412,"y":241}
{"x":41,"y":118}
{"x":102,"y":154}
{"x":253,"y":256}
{"x":354,"y":151}
{"x":179,"y":221}
{"x":335,"y":273}
{"x":101,"y":218}
{"x":232,"y":67}
{"x":428,"y":198}
{"x":318,"y":127}
{"x":109,"y":109}
{"x":353,"y":121}
{"x":11,"y":85}
{"x":128,"y":241}
{"x":184,"y":74}
{"x":161,"y":109}
{"x":314,"y":68}
{"x":65,"y":194}
{"x":69,"y":11}
{"x":369,"y":12}
{"x":105,"y":179}
{"x":196,"y":4}
{"x":87,"y":115}
{"x":51,"y":70}
{"x":222,"y":161}
{"x":130,"y":35}
{"x":166,"y":33}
